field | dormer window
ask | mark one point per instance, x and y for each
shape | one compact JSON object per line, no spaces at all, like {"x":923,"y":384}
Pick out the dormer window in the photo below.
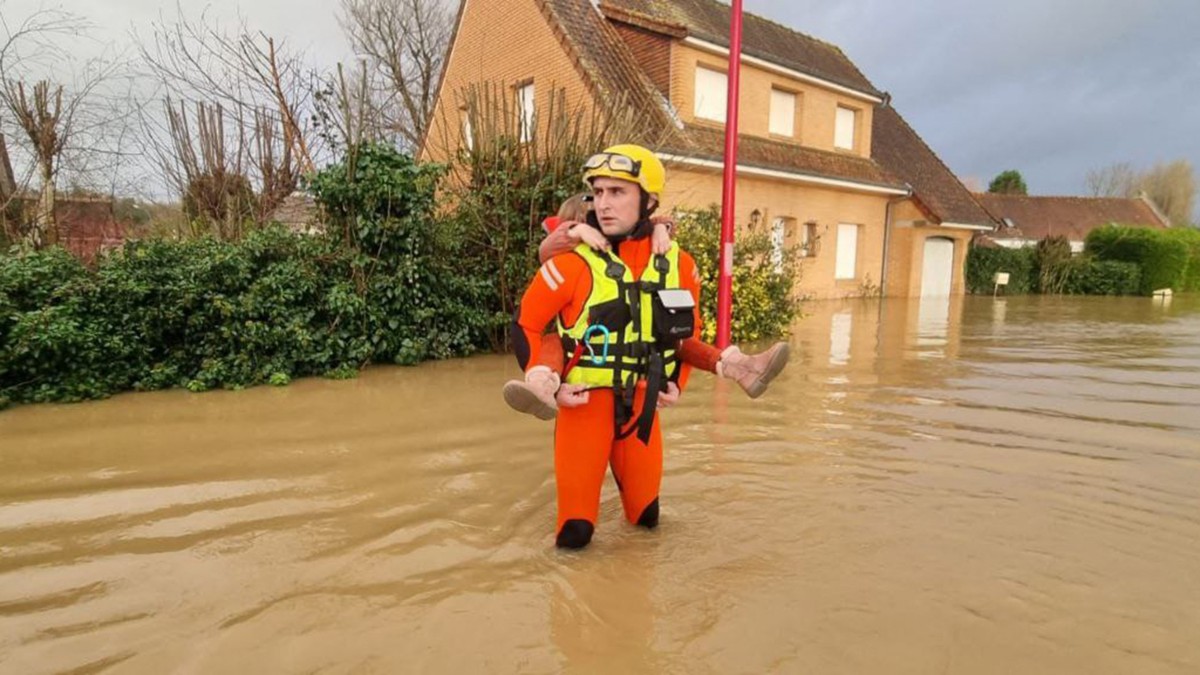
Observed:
{"x":712,"y":90}
{"x":783,"y":113}
{"x":844,"y":130}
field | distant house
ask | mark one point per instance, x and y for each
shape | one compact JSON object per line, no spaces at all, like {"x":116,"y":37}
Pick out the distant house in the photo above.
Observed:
{"x":1024,"y":221}
{"x":825,"y":163}
{"x":85,"y":225}
{"x":298,"y":212}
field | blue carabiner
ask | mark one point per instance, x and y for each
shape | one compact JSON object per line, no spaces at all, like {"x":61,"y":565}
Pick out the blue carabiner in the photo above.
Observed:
{"x":587,"y":334}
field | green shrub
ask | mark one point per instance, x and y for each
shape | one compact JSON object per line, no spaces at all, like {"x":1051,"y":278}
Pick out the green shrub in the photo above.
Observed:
{"x":1189,"y":237}
{"x":983,"y":263}
{"x":427,"y":297}
{"x":1053,"y":261}
{"x":764,"y":300}
{"x":504,"y":184}
{"x":205,"y":314}
{"x":1088,"y":276}
{"x":1163,"y":257}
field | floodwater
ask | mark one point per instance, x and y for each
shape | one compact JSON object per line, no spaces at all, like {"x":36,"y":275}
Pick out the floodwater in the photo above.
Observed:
{"x":984,"y":486}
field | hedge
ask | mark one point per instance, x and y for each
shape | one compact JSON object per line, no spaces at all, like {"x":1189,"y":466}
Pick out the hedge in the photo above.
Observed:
{"x":1189,"y":237}
{"x":983,"y":264}
{"x":1028,"y":272}
{"x":276,"y":305}
{"x":1162,"y":255}
{"x":1088,"y":276}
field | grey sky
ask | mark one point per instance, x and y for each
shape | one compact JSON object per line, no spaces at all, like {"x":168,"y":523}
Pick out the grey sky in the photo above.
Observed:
{"x":1049,"y":87}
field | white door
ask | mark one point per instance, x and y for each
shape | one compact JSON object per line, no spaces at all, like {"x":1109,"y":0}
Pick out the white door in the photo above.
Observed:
{"x":937,"y":270}
{"x":847,"y":251}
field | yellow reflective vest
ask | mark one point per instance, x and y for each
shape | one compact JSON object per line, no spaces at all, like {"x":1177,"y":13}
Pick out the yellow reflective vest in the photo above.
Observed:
{"x":625,"y":308}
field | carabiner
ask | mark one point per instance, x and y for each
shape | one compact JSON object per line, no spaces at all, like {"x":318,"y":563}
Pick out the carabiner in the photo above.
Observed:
{"x":587,"y":335}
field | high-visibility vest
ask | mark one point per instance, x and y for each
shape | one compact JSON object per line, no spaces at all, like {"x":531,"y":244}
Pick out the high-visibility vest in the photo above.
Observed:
{"x":625,"y":307}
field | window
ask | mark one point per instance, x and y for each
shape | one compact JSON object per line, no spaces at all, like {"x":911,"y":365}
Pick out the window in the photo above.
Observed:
{"x":712,"y":90}
{"x":525,"y":104}
{"x":809,"y":240}
{"x":847,"y":123}
{"x":783,"y":113}
{"x":847,"y":251}
{"x":778,"y":239}
{"x":468,"y":133}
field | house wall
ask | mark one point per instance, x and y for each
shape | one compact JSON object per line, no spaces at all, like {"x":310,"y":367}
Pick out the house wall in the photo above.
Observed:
{"x":87,"y":226}
{"x":689,"y":187}
{"x":816,"y":107}
{"x":505,"y":43}
{"x":484,"y":52}
{"x":906,"y":250}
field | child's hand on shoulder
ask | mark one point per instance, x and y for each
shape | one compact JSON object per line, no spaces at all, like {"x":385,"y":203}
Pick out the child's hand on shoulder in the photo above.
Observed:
{"x":660,"y":239}
{"x":582,"y":232}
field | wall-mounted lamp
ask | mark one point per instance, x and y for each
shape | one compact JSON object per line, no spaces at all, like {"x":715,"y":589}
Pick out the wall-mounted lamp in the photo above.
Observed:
{"x":755,"y":216}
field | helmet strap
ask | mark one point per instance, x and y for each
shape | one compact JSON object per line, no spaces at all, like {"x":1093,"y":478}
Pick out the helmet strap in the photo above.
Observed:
{"x":646,"y":209}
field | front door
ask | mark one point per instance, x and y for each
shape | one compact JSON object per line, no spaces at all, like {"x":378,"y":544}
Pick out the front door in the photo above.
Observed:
{"x":937,"y":270}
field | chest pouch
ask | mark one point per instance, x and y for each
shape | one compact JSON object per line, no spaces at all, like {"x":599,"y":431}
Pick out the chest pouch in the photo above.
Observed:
{"x":674,"y":316}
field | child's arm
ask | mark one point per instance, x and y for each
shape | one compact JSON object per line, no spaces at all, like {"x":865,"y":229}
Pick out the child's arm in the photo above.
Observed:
{"x":567,"y":236}
{"x":664,"y":231}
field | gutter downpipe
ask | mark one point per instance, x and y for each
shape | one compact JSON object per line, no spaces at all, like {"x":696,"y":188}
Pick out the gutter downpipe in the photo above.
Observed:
{"x":887,"y":239}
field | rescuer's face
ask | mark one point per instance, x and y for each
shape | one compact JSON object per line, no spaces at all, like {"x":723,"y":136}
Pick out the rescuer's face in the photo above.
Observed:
{"x":617,"y":204}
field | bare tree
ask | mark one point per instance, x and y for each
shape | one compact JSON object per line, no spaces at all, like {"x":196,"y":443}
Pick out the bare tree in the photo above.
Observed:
{"x":347,"y":111}
{"x":405,"y":43}
{"x":1172,"y":187}
{"x":213,"y":152}
{"x":1115,"y":180}
{"x":244,"y":71}
{"x":48,"y":116}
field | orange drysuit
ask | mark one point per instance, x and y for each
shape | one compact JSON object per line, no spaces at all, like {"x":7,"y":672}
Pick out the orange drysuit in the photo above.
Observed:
{"x":585,"y":436}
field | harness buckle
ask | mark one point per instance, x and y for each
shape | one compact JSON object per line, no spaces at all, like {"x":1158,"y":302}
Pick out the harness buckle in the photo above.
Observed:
{"x":587,"y":335}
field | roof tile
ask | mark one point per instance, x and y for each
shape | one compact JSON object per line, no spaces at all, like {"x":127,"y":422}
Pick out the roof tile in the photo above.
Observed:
{"x":709,"y":143}
{"x":897,"y":147}
{"x":765,"y":39}
{"x":1073,"y":217}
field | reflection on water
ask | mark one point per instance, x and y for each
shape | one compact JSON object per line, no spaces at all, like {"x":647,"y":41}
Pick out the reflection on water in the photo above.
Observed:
{"x":978,"y":485}
{"x":933,"y":326}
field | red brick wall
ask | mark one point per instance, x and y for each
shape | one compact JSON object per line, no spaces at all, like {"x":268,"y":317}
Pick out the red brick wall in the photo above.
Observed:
{"x":652,"y":51}
{"x":85,"y":226}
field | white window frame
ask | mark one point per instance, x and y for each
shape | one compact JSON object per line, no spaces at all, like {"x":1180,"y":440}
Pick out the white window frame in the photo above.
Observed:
{"x":468,"y":132}
{"x":846,"y":264}
{"x":778,"y":241}
{"x":527,"y":107}
{"x":711,"y":94}
{"x":783,"y":113}
{"x":845,"y":132}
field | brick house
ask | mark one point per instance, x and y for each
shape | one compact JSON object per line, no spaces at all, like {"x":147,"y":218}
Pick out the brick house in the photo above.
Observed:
{"x":85,"y":225}
{"x":825,"y":163}
{"x":1024,"y":221}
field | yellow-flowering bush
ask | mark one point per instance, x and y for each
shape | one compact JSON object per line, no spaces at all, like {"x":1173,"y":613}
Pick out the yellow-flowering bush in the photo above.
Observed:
{"x":764,"y":300}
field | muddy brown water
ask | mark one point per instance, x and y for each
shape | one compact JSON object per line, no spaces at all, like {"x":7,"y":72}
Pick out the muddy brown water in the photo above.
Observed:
{"x":975,"y":487}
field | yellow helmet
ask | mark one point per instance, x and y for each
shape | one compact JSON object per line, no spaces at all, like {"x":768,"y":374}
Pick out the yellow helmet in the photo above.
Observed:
{"x":628,"y":162}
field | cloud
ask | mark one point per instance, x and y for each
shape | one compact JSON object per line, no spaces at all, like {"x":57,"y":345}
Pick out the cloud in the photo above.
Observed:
{"x":1050,"y":87}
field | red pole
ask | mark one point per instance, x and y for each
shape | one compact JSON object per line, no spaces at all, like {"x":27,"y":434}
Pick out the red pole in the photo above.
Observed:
{"x":728,"y":194}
